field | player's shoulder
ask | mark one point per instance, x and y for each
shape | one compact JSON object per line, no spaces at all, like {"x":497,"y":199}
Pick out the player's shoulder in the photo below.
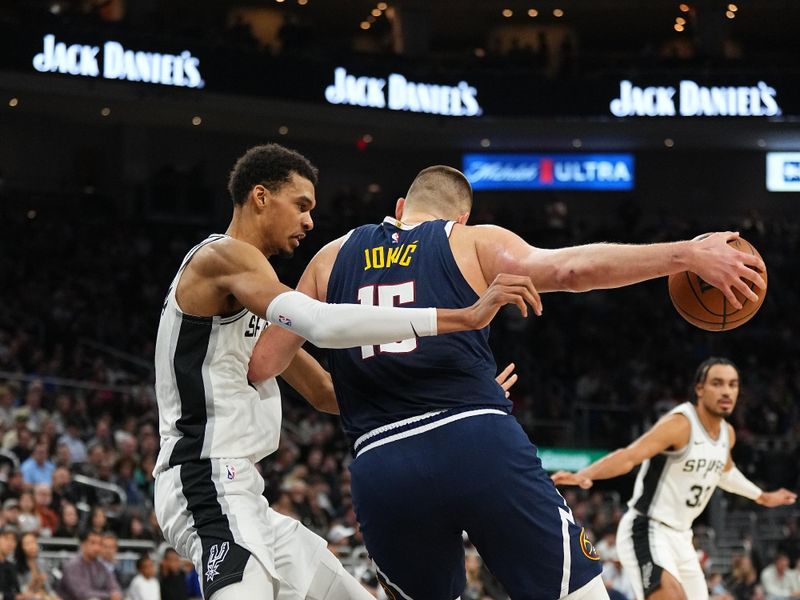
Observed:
{"x":226,"y":255}
{"x":677,"y":422}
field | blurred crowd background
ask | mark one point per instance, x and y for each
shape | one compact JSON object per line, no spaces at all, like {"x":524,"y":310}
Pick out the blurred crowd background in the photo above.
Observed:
{"x":104,"y":189}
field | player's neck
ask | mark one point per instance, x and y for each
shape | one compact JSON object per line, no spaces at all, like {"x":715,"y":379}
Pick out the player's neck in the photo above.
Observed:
{"x":712,"y":423}
{"x":414,"y":217}
{"x":245,"y":228}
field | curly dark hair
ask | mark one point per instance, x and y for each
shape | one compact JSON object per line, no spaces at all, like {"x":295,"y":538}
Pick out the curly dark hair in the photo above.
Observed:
{"x":270,"y":165}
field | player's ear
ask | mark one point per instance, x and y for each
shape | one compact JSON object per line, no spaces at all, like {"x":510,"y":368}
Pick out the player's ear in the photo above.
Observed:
{"x":398,"y":208}
{"x":462,"y":219}
{"x":260,"y":196}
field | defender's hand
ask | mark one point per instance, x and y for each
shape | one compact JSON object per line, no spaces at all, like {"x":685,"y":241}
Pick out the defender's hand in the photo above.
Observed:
{"x":777,"y":498}
{"x":726,"y":268}
{"x":505,"y":289}
{"x":507,"y":378}
{"x":569,"y":478}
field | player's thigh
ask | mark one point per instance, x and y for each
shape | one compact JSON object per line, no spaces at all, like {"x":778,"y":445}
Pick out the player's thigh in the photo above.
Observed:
{"x":415,"y":544}
{"x":256,"y":584}
{"x":519,"y":522}
{"x":647,"y":558}
{"x":594,"y":590}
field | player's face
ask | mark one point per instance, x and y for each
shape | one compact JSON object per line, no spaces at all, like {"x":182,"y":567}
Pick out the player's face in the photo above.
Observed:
{"x":719,"y":392}
{"x":288,"y":214}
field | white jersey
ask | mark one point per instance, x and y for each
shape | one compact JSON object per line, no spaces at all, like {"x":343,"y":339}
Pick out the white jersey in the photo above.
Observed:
{"x":207,"y":408}
{"x":674,"y":487}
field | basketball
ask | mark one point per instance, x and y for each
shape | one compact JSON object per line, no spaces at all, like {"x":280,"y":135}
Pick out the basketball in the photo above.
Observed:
{"x":705,"y":306}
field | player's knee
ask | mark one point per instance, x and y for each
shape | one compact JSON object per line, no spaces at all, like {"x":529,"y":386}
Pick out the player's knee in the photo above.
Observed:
{"x":669,"y":589}
{"x":332,"y":582}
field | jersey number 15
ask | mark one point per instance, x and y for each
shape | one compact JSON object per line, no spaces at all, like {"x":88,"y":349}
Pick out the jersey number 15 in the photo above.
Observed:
{"x":388,"y":295}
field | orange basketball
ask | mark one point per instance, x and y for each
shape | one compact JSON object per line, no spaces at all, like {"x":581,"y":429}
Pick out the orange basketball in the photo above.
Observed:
{"x":706,"y":307}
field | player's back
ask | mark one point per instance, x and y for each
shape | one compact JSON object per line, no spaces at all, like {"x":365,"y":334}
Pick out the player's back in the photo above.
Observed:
{"x":401,"y":265}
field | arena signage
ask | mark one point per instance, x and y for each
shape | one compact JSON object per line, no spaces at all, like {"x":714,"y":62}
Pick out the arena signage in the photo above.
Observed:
{"x":783,"y":171}
{"x":113,"y":61}
{"x":398,"y":93}
{"x":549,"y":171}
{"x":568,"y":459}
{"x":690,"y":99}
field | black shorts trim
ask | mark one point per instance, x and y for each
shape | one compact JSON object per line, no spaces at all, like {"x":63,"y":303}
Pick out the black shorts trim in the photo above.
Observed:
{"x":649,"y":571}
{"x":223,"y":559}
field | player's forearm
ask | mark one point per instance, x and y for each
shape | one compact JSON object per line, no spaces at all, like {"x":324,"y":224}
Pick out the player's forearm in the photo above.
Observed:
{"x":601,"y":266}
{"x":312,"y":382}
{"x":612,"y":465}
{"x":734,"y":481}
{"x":350,"y":325}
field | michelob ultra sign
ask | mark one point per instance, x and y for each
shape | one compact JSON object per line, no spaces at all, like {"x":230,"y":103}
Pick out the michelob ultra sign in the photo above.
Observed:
{"x":549,"y":171}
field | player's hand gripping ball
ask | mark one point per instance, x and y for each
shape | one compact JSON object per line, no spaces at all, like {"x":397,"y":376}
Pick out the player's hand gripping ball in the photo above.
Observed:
{"x":705,"y":306}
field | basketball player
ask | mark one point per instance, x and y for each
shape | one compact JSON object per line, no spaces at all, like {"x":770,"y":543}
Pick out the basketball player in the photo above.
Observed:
{"x":214,"y":426}
{"x":684,"y":458}
{"x":436,"y":451}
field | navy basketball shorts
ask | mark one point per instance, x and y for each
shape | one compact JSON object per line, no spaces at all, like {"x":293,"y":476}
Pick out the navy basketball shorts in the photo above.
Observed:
{"x":418,"y":485}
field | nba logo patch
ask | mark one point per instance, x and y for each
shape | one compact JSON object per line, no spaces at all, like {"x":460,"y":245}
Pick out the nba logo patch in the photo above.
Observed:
{"x":230,"y":472}
{"x":284,"y":320}
{"x":395,"y":237}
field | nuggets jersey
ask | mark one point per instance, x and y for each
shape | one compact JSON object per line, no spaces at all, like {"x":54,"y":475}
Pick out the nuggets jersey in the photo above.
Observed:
{"x":206,"y":407}
{"x":394,"y":264}
{"x":675,"y":487}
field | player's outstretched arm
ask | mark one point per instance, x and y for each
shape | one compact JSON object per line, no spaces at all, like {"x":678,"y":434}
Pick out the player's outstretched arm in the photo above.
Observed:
{"x":733,"y":480}
{"x":671,"y":431}
{"x":247,"y":275}
{"x":604,"y":265}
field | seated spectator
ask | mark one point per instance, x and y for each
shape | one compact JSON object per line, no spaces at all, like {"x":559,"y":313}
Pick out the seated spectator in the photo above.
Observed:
{"x":71,"y":438}
{"x":145,"y":585}
{"x":743,"y":578}
{"x":48,"y":518}
{"x":69,"y":527}
{"x":717,"y":589}
{"x":11,"y":512}
{"x":98,"y":522}
{"x":780,"y":582}
{"x":63,"y":489}
{"x":34,"y":577}
{"x":19,"y":439}
{"x":172,"y":579}
{"x":37,"y":468}
{"x":108,"y":557}
{"x":28,"y":519}
{"x":84,"y":576}
{"x":9,"y":582}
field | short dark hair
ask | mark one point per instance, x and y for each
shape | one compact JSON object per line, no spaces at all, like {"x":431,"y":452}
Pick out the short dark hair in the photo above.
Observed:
{"x":84,"y":534}
{"x":441,"y":189}
{"x":141,"y":560}
{"x":702,"y":372}
{"x":270,"y":165}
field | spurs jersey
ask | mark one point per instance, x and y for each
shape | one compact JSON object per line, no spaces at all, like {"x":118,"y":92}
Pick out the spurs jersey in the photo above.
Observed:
{"x":206,"y":407}
{"x":674,"y":487}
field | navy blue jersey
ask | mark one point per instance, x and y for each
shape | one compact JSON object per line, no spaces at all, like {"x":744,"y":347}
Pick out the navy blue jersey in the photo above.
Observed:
{"x":392,"y":264}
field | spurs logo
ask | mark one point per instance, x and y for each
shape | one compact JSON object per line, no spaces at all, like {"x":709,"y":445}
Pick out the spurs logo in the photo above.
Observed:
{"x":647,"y":573}
{"x":215,"y":557}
